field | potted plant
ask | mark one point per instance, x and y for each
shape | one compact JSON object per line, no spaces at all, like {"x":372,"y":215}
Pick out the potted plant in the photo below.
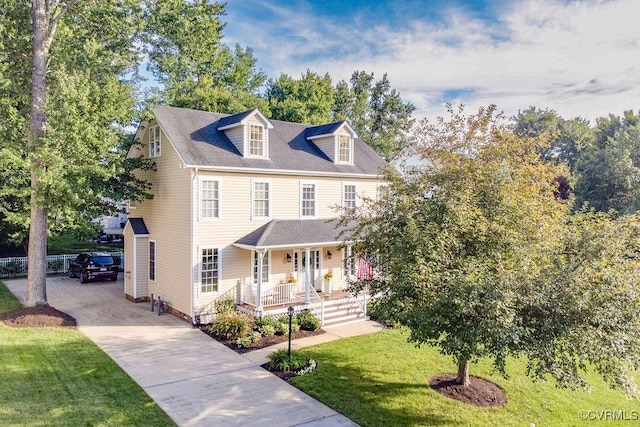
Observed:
{"x":328,"y":277}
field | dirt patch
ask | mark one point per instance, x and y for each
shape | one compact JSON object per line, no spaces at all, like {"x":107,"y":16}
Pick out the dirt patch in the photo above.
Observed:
{"x":262,"y":342}
{"x":42,"y":316}
{"x":479,"y":392}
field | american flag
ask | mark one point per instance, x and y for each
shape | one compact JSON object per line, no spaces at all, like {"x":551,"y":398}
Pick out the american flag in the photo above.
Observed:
{"x":365,"y":269}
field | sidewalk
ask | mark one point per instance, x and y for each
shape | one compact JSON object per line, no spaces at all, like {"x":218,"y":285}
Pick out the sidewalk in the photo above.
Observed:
{"x":193,"y":378}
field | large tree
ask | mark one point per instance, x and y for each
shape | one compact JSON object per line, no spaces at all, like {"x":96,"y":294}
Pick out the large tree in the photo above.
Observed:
{"x":307,"y":100}
{"x":477,"y":256}
{"x":197,"y":70}
{"x":66,"y":104}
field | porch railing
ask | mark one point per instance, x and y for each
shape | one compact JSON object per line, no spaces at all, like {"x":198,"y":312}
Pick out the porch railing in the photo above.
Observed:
{"x":315,"y":303}
{"x":280,"y":294}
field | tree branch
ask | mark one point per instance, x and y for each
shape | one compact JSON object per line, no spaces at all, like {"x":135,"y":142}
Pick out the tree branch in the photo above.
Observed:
{"x":54,"y":19}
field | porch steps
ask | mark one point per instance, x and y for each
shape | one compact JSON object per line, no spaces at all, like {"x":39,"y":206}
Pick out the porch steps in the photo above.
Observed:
{"x":342,"y":312}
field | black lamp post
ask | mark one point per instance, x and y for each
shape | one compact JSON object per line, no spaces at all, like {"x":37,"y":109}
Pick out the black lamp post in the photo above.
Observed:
{"x":290,"y":312}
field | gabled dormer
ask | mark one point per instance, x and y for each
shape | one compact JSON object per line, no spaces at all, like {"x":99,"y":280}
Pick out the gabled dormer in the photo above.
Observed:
{"x":336,"y":140}
{"x":249,"y":132}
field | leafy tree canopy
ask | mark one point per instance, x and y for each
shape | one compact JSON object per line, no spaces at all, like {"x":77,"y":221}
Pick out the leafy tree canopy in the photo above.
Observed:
{"x":307,"y":100}
{"x":477,"y":256}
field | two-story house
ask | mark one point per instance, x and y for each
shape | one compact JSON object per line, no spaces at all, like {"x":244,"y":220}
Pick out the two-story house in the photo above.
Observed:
{"x":241,"y":207}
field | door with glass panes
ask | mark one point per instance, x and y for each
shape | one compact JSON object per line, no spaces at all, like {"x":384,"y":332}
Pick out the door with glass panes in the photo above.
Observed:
{"x":301,"y":266}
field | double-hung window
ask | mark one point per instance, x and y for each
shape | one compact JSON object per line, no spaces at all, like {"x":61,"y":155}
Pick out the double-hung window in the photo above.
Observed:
{"x":265,"y":267}
{"x":308,"y":199}
{"x":345,"y":149}
{"x":154,"y":141}
{"x":209,"y":198}
{"x":152,"y":260}
{"x":256,"y":141}
{"x":261,"y":193}
{"x":349,"y":198}
{"x":209,"y":270}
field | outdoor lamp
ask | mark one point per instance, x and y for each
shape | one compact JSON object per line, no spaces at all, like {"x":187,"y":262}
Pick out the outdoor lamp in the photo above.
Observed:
{"x":290,"y":313}
{"x":288,"y":258}
{"x":329,"y":254}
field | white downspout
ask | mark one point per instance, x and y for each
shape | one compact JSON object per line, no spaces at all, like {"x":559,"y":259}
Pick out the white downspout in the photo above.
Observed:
{"x":191,"y":225}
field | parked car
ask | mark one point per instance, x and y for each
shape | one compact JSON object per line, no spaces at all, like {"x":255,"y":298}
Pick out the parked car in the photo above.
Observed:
{"x":94,"y":265}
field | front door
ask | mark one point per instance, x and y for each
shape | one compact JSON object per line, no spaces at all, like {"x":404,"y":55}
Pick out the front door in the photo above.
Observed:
{"x":301,"y":265}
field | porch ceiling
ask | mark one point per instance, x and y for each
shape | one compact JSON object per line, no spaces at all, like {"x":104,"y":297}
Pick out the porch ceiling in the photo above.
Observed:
{"x":291,"y":233}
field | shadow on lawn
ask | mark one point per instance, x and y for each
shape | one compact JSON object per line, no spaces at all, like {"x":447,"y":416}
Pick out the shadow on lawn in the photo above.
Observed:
{"x":355,"y":393}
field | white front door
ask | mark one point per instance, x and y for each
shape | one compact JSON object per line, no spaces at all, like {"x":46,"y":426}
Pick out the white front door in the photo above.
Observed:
{"x":301,"y":265}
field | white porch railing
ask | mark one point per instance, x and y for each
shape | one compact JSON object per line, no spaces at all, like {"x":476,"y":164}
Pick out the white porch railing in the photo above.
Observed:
{"x":280,"y":294}
{"x":18,"y":266}
{"x":315,"y":303}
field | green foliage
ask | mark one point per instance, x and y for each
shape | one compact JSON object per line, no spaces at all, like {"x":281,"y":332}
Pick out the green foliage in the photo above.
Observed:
{"x":56,"y":265}
{"x":280,"y":360}
{"x":247,"y":340}
{"x":224,"y":305}
{"x":7,"y":301}
{"x":12,"y":269}
{"x":308,"y":100}
{"x":479,"y":258}
{"x":282,"y":328}
{"x":266,"y":330}
{"x":307,"y":321}
{"x":232,"y":325}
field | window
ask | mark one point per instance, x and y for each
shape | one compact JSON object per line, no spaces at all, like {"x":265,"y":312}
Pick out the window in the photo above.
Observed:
{"x":265,"y":267}
{"x":256,"y":141}
{"x":152,"y":260}
{"x":308,"y":199}
{"x":133,"y":203}
{"x":345,"y":149}
{"x":209,"y":199}
{"x":209,"y":270}
{"x":154,"y":141}
{"x":349,"y":198}
{"x":260,"y":199}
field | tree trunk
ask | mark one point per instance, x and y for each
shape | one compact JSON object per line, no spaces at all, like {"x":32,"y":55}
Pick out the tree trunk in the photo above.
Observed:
{"x":37,"y":272}
{"x":463,"y":373}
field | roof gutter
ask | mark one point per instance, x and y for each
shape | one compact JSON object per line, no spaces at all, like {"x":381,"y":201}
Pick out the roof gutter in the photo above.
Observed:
{"x":284,"y":172}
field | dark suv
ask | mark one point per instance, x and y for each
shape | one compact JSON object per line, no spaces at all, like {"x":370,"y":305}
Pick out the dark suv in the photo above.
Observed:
{"x":94,"y":265}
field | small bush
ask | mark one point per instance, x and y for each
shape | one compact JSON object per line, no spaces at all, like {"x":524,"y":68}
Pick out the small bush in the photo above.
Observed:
{"x":295,"y":326}
{"x":232,"y":325}
{"x":281,"y":361}
{"x":282,"y":328}
{"x":247,"y":340}
{"x":224,"y":305}
{"x":266,"y":330}
{"x":267,"y":320}
{"x":378,"y":313}
{"x":307,"y":321}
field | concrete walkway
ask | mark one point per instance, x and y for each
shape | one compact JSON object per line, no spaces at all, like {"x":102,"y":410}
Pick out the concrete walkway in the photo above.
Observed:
{"x":193,"y":378}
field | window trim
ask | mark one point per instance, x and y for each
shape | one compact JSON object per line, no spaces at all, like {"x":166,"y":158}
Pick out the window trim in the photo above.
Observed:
{"x":339,"y":159}
{"x":315,"y":199}
{"x":218,"y":250}
{"x":153,"y":260}
{"x":253,"y":198}
{"x":201,"y":180}
{"x":153,"y":143}
{"x":355,"y":195}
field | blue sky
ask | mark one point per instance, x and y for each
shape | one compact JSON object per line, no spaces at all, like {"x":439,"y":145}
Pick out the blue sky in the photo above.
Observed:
{"x":580,"y":58}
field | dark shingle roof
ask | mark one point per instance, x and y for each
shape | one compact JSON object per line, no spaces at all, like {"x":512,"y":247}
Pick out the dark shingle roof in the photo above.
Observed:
{"x":138,"y":226}
{"x":322,"y":129}
{"x":198,"y":141}
{"x":280,"y":233}
{"x":233,"y":119}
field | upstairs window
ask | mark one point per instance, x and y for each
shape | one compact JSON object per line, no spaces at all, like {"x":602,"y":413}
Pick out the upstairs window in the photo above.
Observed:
{"x":152,"y":260}
{"x":154,"y":141}
{"x":345,"y":149}
{"x":260,"y":199}
{"x":308,"y":201}
{"x":256,"y":141}
{"x":210,"y":199}
{"x":349,"y":198}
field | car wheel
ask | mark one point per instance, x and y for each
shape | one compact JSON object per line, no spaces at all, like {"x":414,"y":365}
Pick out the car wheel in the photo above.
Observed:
{"x":114,"y":278}
{"x":83,"y":277}
{"x":70,"y":274}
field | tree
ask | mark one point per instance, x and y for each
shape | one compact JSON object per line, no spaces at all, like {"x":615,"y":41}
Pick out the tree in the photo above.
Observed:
{"x":307,"y":100}
{"x":477,"y":256}
{"x":187,"y":56}
{"x":62,"y":130}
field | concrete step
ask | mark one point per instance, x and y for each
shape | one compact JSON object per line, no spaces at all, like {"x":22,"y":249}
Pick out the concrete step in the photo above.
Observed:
{"x":342,"y":312}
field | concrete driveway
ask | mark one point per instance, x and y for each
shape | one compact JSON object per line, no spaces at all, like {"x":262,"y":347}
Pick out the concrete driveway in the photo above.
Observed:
{"x":193,"y":378}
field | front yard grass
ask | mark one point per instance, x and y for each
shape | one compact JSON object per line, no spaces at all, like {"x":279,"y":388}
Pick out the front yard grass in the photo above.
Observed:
{"x":56,"y":377}
{"x":381,"y":380}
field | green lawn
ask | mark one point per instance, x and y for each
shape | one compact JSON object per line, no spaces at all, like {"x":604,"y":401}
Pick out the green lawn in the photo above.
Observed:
{"x":381,"y":380}
{"x":51,"y":376}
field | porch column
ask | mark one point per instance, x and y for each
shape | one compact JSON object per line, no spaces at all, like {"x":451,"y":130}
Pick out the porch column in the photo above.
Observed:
{"x":259,"y":307}
{"x":307,"y":275}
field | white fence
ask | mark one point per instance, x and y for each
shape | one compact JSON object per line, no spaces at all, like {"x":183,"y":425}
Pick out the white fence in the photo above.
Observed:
{"x":56,"y":264}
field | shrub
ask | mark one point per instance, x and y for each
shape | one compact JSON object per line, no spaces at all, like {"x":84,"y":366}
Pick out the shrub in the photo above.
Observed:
{"x":266,"y":330}
{"x":282,"y":328}
{"x":267,"y":320}
{"x":308,"y":321}
{"x":295,"y":326}
{"x":378,"y":313}
{"x":232,"y":325}
{"x":247,"y":340}
{"x":281,"y":361}
{"x":224,"y":305}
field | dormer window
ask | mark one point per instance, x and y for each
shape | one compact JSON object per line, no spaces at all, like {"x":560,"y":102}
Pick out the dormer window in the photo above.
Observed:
{"x":154,"y":141}
{"x":256,"y":141}
{"x":345,"y":149}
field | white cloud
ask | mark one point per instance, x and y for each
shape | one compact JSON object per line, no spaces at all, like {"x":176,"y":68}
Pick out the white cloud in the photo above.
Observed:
{"x":579,"y":58}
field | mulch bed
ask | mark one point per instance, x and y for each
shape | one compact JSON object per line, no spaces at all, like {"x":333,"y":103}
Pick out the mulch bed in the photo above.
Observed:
{"x":262,"y":342}
{"x":282,"y":375}
{"x":479,"y":392}
{"x":42,"y":316}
